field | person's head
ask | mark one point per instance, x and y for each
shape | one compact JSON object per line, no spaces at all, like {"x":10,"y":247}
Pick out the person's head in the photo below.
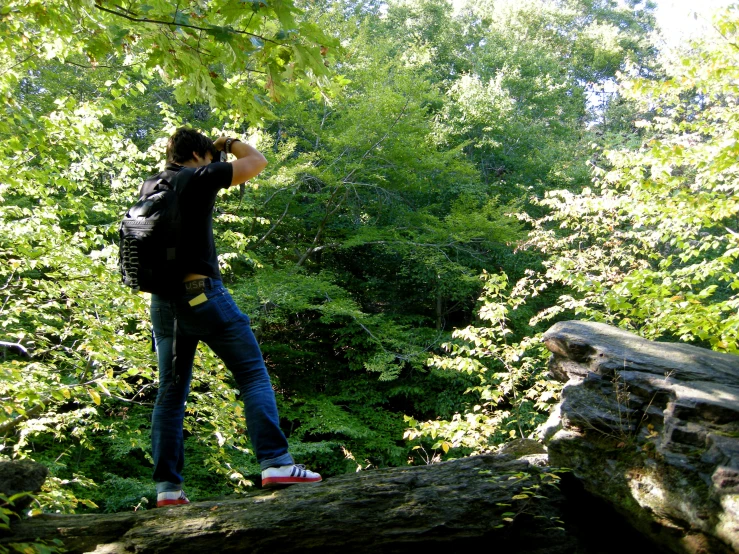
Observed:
{"x":187,"y":144}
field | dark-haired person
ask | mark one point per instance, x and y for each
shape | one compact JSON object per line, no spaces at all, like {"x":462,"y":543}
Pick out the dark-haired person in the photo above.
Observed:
{"x":206,"y":312}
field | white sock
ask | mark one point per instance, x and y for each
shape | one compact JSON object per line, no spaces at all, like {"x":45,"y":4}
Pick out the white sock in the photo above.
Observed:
{"x":169,"y":495}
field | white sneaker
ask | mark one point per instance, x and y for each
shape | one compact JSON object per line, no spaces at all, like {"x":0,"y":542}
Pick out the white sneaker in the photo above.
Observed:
{"x":288,"y":475}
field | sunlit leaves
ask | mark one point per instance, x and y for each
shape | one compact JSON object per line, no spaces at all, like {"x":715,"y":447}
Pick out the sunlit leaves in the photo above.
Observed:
{"x":511,"y":395}
{"x":653,"y":245}
{"x":59,"y":295}
{"x":194,"y":47}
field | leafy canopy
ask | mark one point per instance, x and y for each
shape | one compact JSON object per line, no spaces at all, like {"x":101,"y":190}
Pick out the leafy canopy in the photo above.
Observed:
{"x":235,"y":55}
{"x":653,"y":245}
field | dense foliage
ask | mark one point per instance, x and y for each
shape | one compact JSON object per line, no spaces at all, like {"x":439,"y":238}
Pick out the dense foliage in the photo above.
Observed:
{"x":649,"y":246}
{"x":652,"y":244}
{"x":412,"y":149}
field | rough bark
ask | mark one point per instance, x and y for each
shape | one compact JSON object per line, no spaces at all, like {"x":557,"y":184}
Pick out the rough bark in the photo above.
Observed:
{"x":449,"y":507}
{"x":653,"y":428}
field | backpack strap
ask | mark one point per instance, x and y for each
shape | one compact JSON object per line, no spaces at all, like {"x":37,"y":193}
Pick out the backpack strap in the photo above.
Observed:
{"x":167,"y":180}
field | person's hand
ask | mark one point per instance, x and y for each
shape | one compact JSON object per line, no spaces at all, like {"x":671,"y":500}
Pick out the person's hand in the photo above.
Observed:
{"x":220,"y":143}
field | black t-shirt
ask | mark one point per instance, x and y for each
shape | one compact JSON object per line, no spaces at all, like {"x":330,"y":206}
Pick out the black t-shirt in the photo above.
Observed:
{"x":197,"y":248}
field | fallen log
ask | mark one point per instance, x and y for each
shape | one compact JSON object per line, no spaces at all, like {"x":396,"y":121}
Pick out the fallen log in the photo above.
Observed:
{"x":450,"y":507}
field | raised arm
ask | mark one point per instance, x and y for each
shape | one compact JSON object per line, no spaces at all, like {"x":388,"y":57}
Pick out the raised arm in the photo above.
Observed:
{"x":249,"y":161}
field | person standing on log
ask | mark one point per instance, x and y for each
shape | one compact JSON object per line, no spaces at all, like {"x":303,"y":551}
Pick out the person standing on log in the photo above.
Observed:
{"x":201,"y":309}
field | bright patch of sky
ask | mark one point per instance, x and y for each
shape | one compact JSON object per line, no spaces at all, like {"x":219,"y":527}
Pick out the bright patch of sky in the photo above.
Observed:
{"x":681,"y":20}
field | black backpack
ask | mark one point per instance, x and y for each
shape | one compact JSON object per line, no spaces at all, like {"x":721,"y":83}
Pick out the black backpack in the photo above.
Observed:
{"x":149,"y":235}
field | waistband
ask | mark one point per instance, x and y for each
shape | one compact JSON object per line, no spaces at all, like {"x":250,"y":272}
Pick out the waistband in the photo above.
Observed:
{"x":196,"y":286}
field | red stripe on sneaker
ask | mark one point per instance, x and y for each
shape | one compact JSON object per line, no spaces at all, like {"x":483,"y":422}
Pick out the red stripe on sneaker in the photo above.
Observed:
{"x":289,"y":480}
{"x":173,"y":502}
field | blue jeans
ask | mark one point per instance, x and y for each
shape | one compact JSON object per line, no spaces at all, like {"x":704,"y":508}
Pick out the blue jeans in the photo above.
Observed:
{"x":220,"y":324}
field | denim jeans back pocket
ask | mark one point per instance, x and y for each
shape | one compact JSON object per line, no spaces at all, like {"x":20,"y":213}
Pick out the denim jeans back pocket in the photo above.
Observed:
{"x":200,"y":315}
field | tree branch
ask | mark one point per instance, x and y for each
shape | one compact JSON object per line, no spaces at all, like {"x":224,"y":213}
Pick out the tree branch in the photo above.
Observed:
{"x":269,"y":232}
{"x":185,"y":25}
{"x":16,"y":421}
{"x":344,"y":181}
{"x":322,"y":226}
{"x":15,"y":346}
{"x":7,"y":283}
{"x":24,"y":60}
{"x":67,"y":62}
{"x":380,"y":141}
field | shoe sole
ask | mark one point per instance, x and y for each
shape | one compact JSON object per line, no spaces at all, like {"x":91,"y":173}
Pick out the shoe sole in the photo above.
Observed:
{"x":284,"y":481}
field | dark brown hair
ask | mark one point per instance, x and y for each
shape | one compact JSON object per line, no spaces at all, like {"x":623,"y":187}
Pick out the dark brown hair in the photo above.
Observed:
{"x":185,"y":141}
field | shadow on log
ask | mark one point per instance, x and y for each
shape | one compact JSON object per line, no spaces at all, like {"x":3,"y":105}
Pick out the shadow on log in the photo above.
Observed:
{"x":18,"y":477}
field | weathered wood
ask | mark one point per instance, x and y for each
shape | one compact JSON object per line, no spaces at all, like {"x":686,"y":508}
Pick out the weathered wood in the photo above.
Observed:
{"x":653,"y":428}
{"x":448,"y":507}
